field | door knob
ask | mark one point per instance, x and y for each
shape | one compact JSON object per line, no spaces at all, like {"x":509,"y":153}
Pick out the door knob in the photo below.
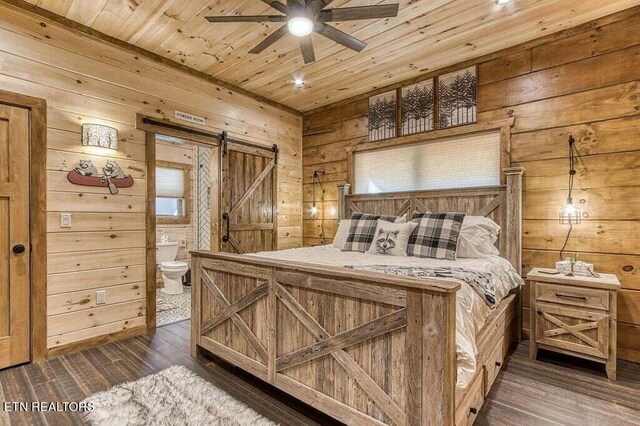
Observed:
{"x":18,"y":248}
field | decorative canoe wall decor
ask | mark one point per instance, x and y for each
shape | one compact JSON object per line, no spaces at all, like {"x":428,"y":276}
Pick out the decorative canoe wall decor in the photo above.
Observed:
{"x":440,"y":102}
{"x":86,"y":173}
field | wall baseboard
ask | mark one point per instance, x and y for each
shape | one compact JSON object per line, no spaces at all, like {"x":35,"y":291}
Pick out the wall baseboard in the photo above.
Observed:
{"x":96,"y":341}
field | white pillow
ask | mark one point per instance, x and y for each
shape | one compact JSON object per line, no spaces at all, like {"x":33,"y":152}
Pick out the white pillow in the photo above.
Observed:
{"x":341,"y":234}
{"x":477,"y":238}
{"x":391,"y":239}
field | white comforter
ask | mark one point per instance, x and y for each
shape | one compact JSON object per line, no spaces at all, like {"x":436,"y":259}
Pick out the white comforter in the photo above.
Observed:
{"x":471,"y":309}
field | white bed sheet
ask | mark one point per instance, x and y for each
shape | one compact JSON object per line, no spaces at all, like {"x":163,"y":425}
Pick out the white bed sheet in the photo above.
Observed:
{"x":471,"y":309}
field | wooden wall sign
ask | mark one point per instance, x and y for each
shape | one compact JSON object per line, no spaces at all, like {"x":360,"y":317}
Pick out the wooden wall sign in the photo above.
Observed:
{"x":113,"y":177}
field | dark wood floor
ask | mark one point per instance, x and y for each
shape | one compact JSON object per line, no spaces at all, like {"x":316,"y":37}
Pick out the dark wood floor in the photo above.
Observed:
{"x":554,"y":390}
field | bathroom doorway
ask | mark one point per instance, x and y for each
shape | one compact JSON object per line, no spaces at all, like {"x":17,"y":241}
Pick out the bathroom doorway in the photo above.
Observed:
{"x":183,"y":183}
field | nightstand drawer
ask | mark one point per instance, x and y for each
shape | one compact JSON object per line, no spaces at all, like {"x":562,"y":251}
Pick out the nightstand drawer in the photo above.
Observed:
{"x":573,"y":296}
{"x":580,"y":331}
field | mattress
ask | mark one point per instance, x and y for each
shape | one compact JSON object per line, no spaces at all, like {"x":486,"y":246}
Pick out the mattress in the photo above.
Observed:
{"x":472,"y":310}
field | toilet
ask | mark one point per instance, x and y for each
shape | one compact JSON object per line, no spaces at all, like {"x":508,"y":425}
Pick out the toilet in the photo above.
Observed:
{"x":172,"y":270}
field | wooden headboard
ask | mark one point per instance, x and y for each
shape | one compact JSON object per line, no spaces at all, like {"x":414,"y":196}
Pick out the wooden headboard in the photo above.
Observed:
{"x":502,"y":204}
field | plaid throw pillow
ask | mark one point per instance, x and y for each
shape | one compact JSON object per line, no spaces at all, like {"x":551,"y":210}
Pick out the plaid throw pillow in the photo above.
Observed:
{"x":436,"y":236}
{"x":416,"y":216}
{"x":362,"y":231}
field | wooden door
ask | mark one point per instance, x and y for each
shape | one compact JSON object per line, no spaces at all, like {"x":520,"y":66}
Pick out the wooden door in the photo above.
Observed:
{"x":247,"y":198}
{"x":14,"y":236}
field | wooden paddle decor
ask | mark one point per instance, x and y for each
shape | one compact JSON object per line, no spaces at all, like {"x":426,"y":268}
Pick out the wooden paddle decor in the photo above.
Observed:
{"x":86,"y":174}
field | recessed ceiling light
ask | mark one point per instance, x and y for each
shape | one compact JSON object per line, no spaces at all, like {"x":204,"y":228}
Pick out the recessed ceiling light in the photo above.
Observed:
{"x":298,"y":82}
{"x":503,"y":1}
{"x":300,"y":26}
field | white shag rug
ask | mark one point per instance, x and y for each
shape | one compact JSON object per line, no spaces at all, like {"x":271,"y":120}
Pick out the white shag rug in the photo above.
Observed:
{"x":174,"y":396}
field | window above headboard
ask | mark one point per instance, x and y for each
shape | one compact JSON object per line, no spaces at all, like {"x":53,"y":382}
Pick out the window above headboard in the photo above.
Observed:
{"x":465,"y":157}
{"x":456,"y":162}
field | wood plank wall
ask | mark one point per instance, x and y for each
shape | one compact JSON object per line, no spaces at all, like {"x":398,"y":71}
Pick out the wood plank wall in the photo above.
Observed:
{"x":86,"y":80}
{"x":583,"y":82}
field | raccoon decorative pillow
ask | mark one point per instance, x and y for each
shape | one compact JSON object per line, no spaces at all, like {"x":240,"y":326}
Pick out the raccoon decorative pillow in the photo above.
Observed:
{"x":391,"y":239}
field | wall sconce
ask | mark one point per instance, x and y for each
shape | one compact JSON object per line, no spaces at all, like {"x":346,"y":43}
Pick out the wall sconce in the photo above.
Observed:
{"x":569,"y":213}
{"x":317,"y":179}
{"x":100,"y":136}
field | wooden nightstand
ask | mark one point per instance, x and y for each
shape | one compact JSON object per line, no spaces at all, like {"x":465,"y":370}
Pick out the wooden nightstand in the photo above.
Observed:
{"x":575,"y":316}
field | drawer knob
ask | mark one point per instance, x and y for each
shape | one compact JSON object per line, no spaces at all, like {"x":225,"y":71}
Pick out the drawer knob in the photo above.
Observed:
{"x":473,"y":410}
{"x":498,"y":364}
{"x":571,"y":296}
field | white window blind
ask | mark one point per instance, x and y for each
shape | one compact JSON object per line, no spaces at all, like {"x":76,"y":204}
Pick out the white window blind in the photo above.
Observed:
{"x":457,"y":162}
{"x":169,"y":182}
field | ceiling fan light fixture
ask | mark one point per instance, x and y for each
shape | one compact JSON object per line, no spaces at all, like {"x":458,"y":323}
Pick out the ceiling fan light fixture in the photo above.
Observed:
{"x":300,"y":26}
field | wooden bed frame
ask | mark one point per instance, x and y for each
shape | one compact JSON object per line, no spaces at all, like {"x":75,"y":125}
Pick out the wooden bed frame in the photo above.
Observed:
{"x":365,"y":348}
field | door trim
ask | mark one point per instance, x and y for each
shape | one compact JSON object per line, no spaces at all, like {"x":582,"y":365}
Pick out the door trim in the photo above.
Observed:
{"x":192,"y":134}
{"x":37,"y":216}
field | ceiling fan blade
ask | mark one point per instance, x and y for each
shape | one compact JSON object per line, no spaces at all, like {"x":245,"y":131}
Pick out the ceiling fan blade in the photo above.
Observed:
{"x":280,"y":7}
{"x":356,"y":13}
{"x":306,"y":45}
{"x":246,"y":18}
{"x":272,"y":38}
{"x":315,"y":6}
{"x":340,"y":37}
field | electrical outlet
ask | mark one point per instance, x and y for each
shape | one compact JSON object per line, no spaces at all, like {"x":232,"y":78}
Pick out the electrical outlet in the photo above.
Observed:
{"x":65,"y":220}
{"x":101,"y":297}
{"x":159,"y":231}
{"x":183,"y":242}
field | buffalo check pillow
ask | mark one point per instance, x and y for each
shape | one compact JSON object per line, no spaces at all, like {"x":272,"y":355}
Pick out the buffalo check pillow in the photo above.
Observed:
{"x":362,"y":231}
{"x":436,"y":235}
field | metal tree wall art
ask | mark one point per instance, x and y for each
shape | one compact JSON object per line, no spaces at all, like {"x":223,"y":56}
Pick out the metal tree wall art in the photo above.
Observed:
{"x":382,"y":116}
{"x":457,"y":98}
{"x":416,"y":108}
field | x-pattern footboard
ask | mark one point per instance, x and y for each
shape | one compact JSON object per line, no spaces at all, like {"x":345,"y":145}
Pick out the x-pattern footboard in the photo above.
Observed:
{"x":366,"y":348}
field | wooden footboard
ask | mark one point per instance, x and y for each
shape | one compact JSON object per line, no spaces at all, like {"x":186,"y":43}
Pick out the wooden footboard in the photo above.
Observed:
{"x":362,"y":347}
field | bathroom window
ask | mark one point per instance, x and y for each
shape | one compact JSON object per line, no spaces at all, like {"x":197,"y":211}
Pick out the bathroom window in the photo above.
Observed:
{"x":173,"y":192}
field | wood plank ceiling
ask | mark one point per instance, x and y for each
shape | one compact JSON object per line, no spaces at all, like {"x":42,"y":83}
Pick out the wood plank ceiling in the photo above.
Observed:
{"x":426,"y":35}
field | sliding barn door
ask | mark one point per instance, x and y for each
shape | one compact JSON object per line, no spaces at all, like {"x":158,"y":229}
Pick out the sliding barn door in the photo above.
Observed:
{"x":247,"y":198}
{"x":14,"y":236}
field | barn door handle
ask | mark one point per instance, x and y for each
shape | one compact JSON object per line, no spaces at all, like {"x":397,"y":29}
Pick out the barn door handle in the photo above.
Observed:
{"x":571,"y":296}
{"x":18,"y":248}
{"x":225,"y":217}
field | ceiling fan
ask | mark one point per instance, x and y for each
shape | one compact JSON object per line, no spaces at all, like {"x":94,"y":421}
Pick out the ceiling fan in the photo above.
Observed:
{"x":304,"y":18}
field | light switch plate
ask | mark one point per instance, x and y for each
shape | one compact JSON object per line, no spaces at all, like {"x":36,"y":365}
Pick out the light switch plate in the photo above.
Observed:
{"x":159,"y":231}
{"x":65,"y":220}
{"x":101,"y":297}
